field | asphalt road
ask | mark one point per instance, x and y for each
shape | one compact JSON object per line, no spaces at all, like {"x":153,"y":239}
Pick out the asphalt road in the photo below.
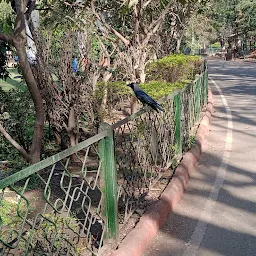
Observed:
{"x":217,"y":214}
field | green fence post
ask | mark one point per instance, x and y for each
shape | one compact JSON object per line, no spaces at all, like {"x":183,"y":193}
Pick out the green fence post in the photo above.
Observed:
{"x":205,"y":82}
{"x":191,"y":108}
{"x":178,"y":123}
{"x":206,"y":85}
{"x":108,"y":184}
{"x":198,"y":97}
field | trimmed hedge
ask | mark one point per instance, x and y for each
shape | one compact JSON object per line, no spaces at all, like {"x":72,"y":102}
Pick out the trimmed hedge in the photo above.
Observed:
{"x":159,"y":89}
{"x":174,"y":68}
{"x":163,"y":77}
{"x":118,"y":92}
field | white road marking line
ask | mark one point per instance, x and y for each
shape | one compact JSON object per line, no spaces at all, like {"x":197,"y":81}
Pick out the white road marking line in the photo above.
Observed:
{"x":205,"y":217}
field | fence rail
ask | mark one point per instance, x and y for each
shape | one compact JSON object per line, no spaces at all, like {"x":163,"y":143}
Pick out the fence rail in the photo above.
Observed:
{"x":77,"y":209}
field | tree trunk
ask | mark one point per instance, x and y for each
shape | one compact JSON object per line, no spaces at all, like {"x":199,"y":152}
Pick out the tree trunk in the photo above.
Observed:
{"x":19,"y":42}
{"x":72,"y":138}
{"x":71,"y":124}
{"x":142,"y":75}
{"x":106,"y":77}
{"x":178,"y":45}
{"x":134,"y":105}
{"x":71,"y":130}
{"x":95,"y":78}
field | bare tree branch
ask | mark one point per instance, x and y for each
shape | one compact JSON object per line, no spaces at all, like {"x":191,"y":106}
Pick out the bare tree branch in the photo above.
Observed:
{"x":116,"y":33}
{"x":14,"y":143}
{"x":137,"y":16}
{"x":6,"y":38}
{"x":146,"y":4}
{"x":155,"y":24}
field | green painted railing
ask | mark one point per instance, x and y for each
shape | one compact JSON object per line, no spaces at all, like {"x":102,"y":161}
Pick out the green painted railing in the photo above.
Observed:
{"x":78,"y":208}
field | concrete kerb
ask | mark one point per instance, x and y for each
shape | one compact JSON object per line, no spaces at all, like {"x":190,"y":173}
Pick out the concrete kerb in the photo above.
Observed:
{"x":137,"y":241}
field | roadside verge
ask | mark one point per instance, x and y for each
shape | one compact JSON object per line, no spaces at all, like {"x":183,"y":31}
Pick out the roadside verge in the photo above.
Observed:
{"x":137,"y":241}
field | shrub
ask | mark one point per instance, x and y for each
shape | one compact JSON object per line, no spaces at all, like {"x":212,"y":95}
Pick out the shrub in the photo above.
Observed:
{"x":115,"y":90}
{"x":8,"y":212}
{"x":118,"y":92}
{"x":159,"y":89}
{"x":17,"y":116}
{"x":174,"y":68}
{"x":216,"y":45}
{"x":164,"y":76}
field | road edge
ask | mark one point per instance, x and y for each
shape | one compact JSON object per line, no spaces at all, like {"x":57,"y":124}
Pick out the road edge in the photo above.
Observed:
{"x":137,"y":241}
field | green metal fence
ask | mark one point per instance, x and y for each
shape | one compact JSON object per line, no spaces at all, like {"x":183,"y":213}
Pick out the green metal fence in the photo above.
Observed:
{"x":78,"y":209}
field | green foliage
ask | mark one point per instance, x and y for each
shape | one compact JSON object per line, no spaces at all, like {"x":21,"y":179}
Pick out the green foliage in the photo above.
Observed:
{"x":199,"y":32}
{"x":3,"y":60}
{"x":246,"y":18}
{"x":191,"y":141}
{"x":34,"y":183}
{"x":6,"y":17}
{"x":113,"y":88}
{"x":118,"y":93}
{"x":8,"y":213}
{"x":232,"y":16}
{"x":216,"y":45}
{"x":15,"y":80}
{"x":170,"y":73}
{"x":174,"y":68}
{"x":5,"y":209}
{"x":56,"y":13}
{"x":223,"y":14}
{"x":17,"y":117}
{"x":59,"y":227}
{"x":159,"y":89}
